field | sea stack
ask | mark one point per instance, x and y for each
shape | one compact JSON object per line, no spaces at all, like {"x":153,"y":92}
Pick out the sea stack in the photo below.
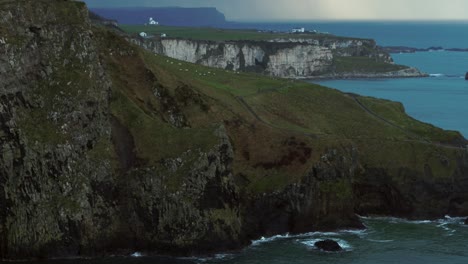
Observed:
{"x":328,"y":245}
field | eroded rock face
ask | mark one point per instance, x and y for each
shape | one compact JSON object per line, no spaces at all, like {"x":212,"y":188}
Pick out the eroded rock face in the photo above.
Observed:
{"x":289,"y":58}
{"x":71,"y":182}
{"x":53,"y":113}
{"x":322,"y":200}
{"x":281,"y":59}
{"x":188,"y":217}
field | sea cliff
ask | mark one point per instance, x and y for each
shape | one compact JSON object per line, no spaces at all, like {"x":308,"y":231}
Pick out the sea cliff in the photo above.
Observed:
{"x":107,"y":149}
{"x":285,"y":57}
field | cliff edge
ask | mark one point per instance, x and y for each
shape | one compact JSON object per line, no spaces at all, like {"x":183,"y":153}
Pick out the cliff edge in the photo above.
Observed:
{"x":306,"y":56}
{"x":106,"y":148}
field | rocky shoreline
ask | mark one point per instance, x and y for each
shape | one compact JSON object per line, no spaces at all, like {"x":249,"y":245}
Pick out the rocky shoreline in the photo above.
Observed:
{"x":404,"y":49}
{"x":405,"y":73}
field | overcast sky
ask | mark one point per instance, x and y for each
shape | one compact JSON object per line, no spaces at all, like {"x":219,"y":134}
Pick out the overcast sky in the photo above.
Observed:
{"x":270,"y":10}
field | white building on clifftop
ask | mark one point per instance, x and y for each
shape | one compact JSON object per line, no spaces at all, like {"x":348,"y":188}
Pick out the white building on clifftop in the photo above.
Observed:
{"x":153,"y":22}
{"x":298,"y":30}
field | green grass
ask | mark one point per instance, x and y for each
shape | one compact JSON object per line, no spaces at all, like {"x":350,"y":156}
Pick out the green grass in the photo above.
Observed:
{"x":395,"y":113}
{"x":290,"y":109}
{"x":215,"y":34}
{"x":364,"y":65}
{"x":150,"y":133}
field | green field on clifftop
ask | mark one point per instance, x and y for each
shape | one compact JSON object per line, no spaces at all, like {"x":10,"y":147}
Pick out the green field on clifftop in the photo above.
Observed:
{"x":217,"y":34}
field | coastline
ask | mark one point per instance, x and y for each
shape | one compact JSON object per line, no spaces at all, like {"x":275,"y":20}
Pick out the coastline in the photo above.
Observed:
{"x":402,"y":74}
{"x":441,"y":221}
{"x":405,"y":49}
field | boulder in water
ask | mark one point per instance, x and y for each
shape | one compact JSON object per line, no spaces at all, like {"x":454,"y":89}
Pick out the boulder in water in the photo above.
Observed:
{"x":466,"y":221}
{"x":466,"y":76}
{"x":328,"y":245}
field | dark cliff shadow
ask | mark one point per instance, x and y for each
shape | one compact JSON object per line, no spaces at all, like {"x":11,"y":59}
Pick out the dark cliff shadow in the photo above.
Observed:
{"x":124,"y":145}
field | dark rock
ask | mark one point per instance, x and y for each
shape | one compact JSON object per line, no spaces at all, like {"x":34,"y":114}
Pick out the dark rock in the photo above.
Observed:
{"x":466,"y":221}
{"x":466,"y":76}
{"x":328,"y":245}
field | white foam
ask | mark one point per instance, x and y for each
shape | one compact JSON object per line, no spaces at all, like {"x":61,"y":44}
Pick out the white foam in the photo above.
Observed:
{"x":444,"y":223}
{"x":263,"y":240}
{"x":451,"y":220}
{"x":436,"y":75}
{"x":358,"y":232}
{"x":215,"y":257}
{"x":395,"y":220}
{"x":380,"y":241}
{"x":137,"y":255}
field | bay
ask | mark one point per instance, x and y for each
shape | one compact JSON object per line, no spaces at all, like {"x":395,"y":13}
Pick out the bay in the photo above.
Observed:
{"x":441,"y":100}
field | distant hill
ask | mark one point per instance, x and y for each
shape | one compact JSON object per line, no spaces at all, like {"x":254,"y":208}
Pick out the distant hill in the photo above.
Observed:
{"x":171,"y":16}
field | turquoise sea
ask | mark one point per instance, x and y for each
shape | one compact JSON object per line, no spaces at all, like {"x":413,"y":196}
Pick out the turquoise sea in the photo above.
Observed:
{"x":441,"y":99}
{"x":450,"y":34}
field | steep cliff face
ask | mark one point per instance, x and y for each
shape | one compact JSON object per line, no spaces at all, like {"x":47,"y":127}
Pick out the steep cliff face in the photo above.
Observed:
{"x":69,"y":180}
{"x":54,"y":112}
{"x":108,"y":149}
{"x":289,"y":58}
{"x":280,"y":59}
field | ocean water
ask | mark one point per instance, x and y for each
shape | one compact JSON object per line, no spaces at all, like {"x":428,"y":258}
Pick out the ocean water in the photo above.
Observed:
{"x":441,"y":100}
{"x":412,"y":34}
{"x":385,"y":241}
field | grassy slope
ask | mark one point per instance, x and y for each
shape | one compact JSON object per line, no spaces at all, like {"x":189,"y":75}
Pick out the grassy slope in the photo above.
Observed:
{"x":216,"y":34}
{"x":298,"y":121}
{"x":364,"y":65}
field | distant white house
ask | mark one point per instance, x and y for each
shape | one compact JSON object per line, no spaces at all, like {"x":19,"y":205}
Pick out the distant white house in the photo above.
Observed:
{"x":298,"y":30}
{"x":163,"y":35}
{"x":143,"y":34}
{"x":153,"y":22}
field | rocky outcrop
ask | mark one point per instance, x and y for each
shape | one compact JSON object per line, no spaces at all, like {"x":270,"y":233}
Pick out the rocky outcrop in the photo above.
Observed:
{"x":404,"y":73}
{"x":328,"y":245}
{"x":404,"y":49}
{"x":322,"y":200}
{"x":289,"y":58}
{"x":466,"y":76}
